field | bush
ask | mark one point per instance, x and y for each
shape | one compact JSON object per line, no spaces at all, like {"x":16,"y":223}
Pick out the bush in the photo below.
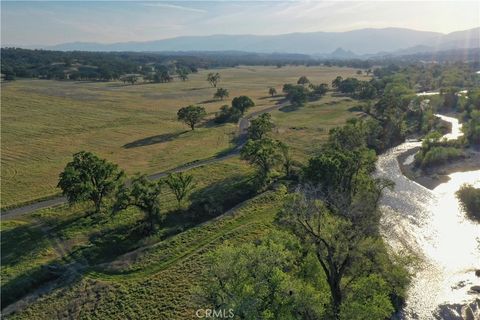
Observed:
{"x":227,"y":114}
{"x":469,"y":198}
{"x":437,"y":156}
{"x":436,"y":151}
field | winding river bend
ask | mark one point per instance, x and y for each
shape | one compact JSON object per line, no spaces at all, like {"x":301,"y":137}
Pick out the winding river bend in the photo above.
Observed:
{"x":431,"y":224}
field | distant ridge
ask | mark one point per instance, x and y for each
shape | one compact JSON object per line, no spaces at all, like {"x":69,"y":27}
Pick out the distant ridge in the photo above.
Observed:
{"x":349,"y":43}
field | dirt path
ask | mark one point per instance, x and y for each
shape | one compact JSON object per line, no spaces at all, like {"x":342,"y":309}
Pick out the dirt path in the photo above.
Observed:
{"x":243,"y":125}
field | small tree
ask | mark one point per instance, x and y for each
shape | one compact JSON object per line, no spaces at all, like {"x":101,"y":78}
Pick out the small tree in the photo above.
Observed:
{"x":181,"y":185}
{"x":303,"y":80}
{"x":272,"y":91}
{"x":242,"y":103}
{"x":287,"y":158}
{"x":131,"y":78}
{"x":337,"y":82}
{"x":319,"y":90}
{"x":297,"y":95}
{"x":264,"y":154}
{"x":88,"y":177}
{"x":221,"y":94}
{"x":143,"y":194}
{"x":227,"y":114}
{"x":165,"y":77}
{"x":260,"y":126}
{"x":213,"y":78}
{"x":191,"y":115}
{"x":183,"y":74}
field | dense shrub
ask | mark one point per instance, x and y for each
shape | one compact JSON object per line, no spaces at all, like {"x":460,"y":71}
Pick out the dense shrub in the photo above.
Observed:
{"x":227,"y":114}
{"x":437,"y":151}
{"x":470,"y":200}
{"x":438,"y":155}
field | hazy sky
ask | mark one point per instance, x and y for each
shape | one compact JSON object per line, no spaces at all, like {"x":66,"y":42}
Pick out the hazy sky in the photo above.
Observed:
{"x":47,"y":23}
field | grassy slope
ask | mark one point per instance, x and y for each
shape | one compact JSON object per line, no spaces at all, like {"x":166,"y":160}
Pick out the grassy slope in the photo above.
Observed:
{"x":164,"y":279}
{"x":29,"y":243}
{"x":45,"y":122}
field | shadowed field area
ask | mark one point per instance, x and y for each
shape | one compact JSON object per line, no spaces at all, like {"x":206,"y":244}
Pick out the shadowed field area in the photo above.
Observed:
{"x":44,"y":122}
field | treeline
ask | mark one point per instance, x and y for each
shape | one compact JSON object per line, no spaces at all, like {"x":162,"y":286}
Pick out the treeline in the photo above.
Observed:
{"x":80,"y":65}
{"x":158,"y":67}
{"x":84,"y":65}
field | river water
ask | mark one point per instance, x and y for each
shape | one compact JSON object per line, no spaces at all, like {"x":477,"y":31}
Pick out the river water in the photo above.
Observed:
{"x":431,"y":224}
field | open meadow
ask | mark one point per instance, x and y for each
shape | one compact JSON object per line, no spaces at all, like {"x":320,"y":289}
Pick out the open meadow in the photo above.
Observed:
{"x":97,"y":263}
{"x":44,"y":122}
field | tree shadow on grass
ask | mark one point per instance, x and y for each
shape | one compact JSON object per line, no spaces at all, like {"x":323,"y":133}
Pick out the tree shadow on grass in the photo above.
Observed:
{"x":161,"y":138}
{"x":355,"y":109}
{"x":289,"y":108}
{"x":209,"y":202}
{"x":20,"y":243}
{"x":210,"y":101}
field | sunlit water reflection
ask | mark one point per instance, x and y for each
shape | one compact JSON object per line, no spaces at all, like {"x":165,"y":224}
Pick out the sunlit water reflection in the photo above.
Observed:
{"x":431,"y":224}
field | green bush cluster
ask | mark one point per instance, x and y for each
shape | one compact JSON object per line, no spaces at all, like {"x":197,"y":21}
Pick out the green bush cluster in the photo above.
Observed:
{"x":470,"y":200}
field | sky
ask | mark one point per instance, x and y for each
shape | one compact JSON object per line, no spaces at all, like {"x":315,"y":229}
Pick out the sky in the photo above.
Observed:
{"x":33,"y":23}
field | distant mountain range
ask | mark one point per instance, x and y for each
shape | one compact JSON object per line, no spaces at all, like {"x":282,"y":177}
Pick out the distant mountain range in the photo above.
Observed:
{"x":350,"y":44}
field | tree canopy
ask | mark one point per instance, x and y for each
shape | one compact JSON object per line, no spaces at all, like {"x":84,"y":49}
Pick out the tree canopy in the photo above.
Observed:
{"x":221,"y":94}
{"x":260,"y":126}
{"x":242,"y":103}
{"x":264,"y":154}
{"x":213,"y":79}
{"x":143,"y":194}
{"x":181,"y":185}
{"x":191,"y":115}
{"x":87,"y":177}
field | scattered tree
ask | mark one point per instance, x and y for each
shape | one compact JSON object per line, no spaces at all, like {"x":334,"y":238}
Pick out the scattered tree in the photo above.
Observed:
{"x":143,"y":194}
{"x":297,"y":95}
{"x":88,"y":177}
{"x":183,"y":74}
{"x":336,"y":83}
{"x":319,"y":90}
{"x":242,"y":103}
{"x":303,"y":80}
{"x":272,"y":92}
{"x":181,"y":185}
{"x":227,"y":114}
{"x":221,"y":94}
{"x":213,"y":78}
{"x":130,"y":78}
{"x":260,"y":126}
{"x":264,"y":154}
{"x":163,"y":76}
{"x":191,"y":115}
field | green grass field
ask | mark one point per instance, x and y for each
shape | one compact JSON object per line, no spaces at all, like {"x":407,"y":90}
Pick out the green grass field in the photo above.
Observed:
{"x":44,"y":122}
{"x":110,"y":270}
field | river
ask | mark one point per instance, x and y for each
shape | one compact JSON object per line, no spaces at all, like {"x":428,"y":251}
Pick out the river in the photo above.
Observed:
{"x":431,"y":224}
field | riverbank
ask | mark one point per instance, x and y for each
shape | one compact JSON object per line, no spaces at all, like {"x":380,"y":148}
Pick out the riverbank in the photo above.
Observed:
{"x":432,"y":177}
